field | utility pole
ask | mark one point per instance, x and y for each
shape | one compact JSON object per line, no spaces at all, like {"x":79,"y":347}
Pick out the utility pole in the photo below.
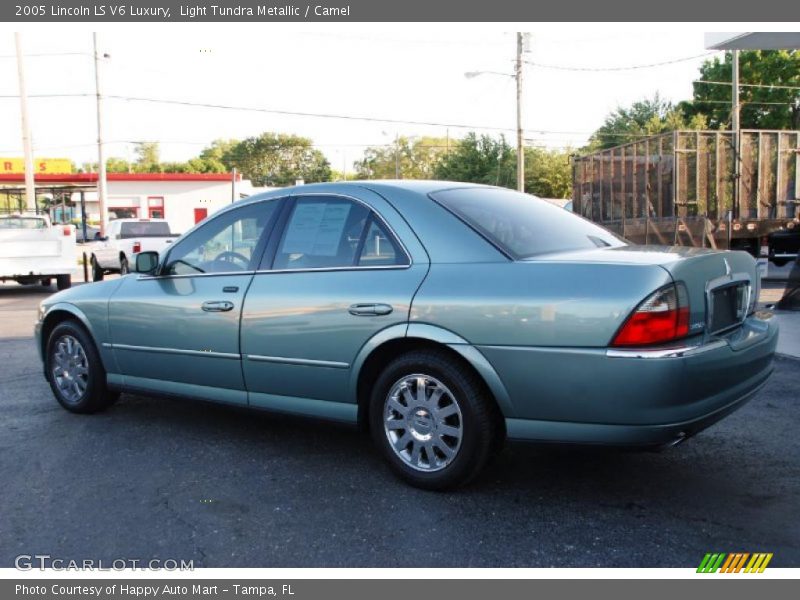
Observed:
{"x":520,"y":137}
{"x":735,"y":127}
{"x":27,"y":144}
{"x":101,"y":161}
{"x":233,"y":185}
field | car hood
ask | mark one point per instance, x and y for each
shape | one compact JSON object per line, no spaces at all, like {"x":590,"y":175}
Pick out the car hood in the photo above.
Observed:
{"x":99,"y":290}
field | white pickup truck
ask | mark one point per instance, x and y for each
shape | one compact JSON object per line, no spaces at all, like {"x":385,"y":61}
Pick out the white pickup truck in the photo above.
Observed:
{"x":32,"y":250}
{"x":124,"y":239}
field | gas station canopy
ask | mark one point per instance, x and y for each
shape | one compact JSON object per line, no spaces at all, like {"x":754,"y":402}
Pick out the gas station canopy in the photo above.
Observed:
{"x":754,"y":40}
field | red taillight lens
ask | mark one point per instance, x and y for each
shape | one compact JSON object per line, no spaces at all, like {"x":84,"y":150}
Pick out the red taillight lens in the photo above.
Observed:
{"x":137,"y":247}
{"x":662,"y":317}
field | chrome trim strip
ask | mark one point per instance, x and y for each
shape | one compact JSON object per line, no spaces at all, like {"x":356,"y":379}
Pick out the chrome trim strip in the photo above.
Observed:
{"x":678,"y":352}
{"x":185,"y":275}
{"x":323,"y":269}
{"x":181,"y":351}
{"x":306,"y":362}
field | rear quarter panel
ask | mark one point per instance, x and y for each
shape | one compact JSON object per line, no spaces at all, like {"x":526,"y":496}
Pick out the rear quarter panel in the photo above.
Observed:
{"x":534,"y":303}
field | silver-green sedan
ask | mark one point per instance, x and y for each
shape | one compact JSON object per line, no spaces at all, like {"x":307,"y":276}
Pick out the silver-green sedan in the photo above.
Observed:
{"x":443,"y":317}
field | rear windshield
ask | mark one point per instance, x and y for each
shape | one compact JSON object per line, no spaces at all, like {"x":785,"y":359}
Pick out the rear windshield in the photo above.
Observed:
{"x":144,"y":229}
{"x":22,"y":223}
{"x":522,"y":225}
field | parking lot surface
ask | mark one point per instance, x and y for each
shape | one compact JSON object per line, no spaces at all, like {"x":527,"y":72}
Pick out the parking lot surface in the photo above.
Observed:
{"x":154,"y":478}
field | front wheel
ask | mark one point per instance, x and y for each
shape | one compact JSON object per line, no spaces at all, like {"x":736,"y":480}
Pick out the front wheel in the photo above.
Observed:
{"x":433,"y":420}
{"x":63,"y":282}
{"x":74,"y":370}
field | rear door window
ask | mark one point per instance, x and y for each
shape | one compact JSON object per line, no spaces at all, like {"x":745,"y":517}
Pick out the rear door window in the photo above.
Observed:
{"x":322,"y":232}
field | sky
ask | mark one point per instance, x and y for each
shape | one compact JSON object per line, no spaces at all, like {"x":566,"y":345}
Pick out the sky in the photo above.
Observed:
{"x":406,"y":72}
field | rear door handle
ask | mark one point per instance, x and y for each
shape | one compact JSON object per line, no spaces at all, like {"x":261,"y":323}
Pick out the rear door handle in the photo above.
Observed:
{"x":369,"y":310}
{"x":217,"y":306}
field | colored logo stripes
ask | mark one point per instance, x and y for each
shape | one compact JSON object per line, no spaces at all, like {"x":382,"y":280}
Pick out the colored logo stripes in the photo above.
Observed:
{"x":734,"y":562}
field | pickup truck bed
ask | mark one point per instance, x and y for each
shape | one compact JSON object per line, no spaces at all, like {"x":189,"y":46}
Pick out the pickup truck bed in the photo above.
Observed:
{"x":34,"y":251}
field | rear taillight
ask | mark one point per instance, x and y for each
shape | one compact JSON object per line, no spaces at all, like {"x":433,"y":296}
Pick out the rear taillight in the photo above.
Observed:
{"x":662,"y":317}
{"x":137,"y":247}
{"x":67,"y":230}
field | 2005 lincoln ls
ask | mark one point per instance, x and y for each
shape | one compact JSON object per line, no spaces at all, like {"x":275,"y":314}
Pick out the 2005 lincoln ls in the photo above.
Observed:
{"x":443,"y":317}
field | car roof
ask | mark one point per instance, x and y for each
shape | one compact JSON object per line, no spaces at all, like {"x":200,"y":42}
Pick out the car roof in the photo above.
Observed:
{"x":421,"y":187}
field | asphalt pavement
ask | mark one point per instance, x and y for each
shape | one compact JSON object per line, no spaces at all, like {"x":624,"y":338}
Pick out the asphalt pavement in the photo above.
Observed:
{"x":153,"y":478}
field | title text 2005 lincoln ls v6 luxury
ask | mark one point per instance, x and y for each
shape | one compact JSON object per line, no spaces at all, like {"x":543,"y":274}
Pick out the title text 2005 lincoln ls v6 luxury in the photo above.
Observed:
{"x":443,"y":317}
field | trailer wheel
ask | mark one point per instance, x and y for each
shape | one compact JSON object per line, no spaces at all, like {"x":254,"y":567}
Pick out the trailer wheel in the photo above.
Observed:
{"x":46,"y":282}
{"x":63,"y":282}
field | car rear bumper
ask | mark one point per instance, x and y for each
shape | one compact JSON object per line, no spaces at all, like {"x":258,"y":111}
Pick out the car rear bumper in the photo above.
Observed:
{"x":633,"y":397}
{"x":622,"y":435}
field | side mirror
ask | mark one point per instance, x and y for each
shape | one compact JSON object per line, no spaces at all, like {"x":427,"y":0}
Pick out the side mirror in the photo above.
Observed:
{"x":146,"y":262}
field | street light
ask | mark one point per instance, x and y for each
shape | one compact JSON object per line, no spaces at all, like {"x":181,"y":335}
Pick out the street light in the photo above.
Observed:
{"x":522,"y":46}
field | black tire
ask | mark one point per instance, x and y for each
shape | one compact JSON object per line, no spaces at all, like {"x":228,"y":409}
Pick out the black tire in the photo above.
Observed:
{"x":90,"y":394}
{"x":97,"y":272}
{"x":63,"y":282}
{"x":780,"y":262}
{"x":46,"y":282}
{"x":124,"y":267}
{"x":478,"y":420}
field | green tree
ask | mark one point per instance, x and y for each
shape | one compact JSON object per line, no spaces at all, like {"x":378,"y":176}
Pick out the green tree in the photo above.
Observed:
{"x":761,"y":107}
{"x":479,"y":159}
{"x":114,"y":164}
{"x":147,"y":157}
{"x":216,"y":158}
{"x":278,"y":159}
{"x":645,"y":117}
{"x":548,"y":173}
{"x":413,"y":158}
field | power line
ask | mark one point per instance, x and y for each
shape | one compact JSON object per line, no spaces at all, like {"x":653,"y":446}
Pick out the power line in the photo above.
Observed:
{"x":621,"y":68}
{"x":47,"y":95}
{"x":47,"y":54}
{"x":304,"y":114}
{"x":752,"y":85}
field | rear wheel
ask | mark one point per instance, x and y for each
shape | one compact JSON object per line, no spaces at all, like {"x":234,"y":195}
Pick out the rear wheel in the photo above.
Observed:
{"x":124,"y":268}
{"x":433,"y":420}
{"x":74,"y":370}
{"x":63,"y":282}
{"x":97,"y":272}
{"x":46,"y":282}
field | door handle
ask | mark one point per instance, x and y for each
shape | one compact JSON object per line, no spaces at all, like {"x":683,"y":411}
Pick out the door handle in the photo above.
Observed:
{"x":217,"y":306}
{"x":369,"y":310}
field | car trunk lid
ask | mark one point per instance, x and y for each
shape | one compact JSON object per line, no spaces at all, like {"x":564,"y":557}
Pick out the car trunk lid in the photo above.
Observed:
{"x":722,"y":286}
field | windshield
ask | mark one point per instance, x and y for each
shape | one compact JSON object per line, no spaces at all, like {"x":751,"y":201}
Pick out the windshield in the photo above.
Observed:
{"x":22,"y":223}
{"x":522,"y":225}
{"x":144,"y":229}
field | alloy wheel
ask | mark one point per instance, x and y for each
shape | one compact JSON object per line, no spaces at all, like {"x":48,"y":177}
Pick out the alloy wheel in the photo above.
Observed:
{"x":70,"y":369}
{"x":423,"y":422}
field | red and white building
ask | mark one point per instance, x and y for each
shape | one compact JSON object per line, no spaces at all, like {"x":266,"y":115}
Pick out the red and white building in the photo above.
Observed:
{"x":182,"y":198}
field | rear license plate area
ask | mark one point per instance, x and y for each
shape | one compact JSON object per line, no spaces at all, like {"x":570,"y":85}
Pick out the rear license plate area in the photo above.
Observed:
{"x":728,"y":306}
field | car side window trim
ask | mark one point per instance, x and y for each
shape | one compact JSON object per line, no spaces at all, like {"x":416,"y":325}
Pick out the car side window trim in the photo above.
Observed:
{"x":268,"y":261}
{"x":261,"y":245}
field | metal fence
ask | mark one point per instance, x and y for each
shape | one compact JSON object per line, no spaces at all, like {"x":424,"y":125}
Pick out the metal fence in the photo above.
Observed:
{"x":679,"y":187}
